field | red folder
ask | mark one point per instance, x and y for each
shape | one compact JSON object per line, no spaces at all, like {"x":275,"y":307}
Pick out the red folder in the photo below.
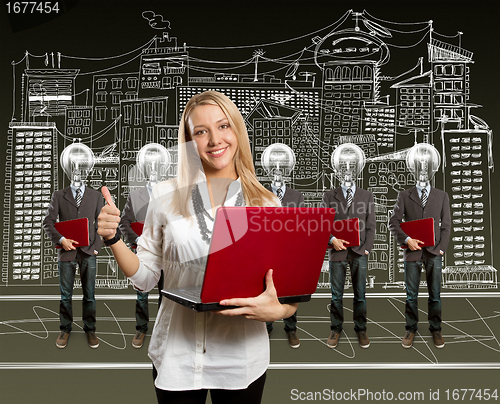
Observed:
{"x":420,"y":229}
{"x":348,"y":230}
{"x":77,"y":229}
{"x":137,"y":227}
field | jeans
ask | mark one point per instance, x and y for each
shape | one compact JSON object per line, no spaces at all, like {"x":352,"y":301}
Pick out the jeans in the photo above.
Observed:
{"x":290,"y":323}
{"x":432,"y":264}
{"x":67,"y":269}
{"x":141,"y":307}
{"x":338,"y":271}
{"x":141,"y":312}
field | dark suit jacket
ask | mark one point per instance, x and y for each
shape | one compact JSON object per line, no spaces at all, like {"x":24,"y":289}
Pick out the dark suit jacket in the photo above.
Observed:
{"x":135,"y":210}
{"x":409,"y":207}
{"x":362,"y":207}
{"x":63,"y":207}
{"x":292,"y":198}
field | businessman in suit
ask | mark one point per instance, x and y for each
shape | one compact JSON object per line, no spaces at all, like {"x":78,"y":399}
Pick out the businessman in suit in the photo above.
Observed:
{"x":135,"y":210}
{"x":422,"y":201}
{"x":152,"y":160}
{"x":74,"y":202}
{"x":349,"y":201}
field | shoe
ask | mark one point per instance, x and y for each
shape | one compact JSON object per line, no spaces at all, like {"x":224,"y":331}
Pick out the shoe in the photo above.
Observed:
{"x":92,"y":339}
{"x":364,"y":341}
{"x":293,"y":340}
{"x":62,"y":339}
{"x":408,"y":339}
{"x":333,"y":340}
{"x":138,"y":339}
{"x":438,"y":339}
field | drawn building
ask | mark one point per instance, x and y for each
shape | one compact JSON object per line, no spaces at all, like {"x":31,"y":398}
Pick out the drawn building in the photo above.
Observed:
{"x":468,"y":161}
{"x":163,"y":69}
{"x":269,"y":123}
{"x":78,"y":121}
{"x":107,"y":92}
{"x":30,"y":179}
{"x":48,"y":93}
{"x":380,"y":120}
{"x":450,"y":67}
{"x":414,"y":107}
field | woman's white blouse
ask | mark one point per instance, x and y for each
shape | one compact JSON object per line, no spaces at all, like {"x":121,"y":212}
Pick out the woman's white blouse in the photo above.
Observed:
{"x":193,"y":350}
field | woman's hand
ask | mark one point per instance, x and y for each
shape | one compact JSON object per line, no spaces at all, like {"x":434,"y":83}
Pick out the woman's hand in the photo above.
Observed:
{"x":109,"y":218}
{"x":265,"y":307}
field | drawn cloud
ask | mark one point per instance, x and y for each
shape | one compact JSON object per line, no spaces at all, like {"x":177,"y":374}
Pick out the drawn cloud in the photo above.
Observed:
{"x":156,"y":21}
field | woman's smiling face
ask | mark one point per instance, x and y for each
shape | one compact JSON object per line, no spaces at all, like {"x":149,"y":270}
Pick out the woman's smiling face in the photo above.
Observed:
{"x":215,"y":139}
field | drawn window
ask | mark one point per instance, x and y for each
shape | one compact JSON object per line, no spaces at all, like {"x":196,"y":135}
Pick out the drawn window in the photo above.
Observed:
{"x":126,"y":138}
{"x":100,"y":114}
{"x":127,"y":114}
{"x":116,"y":83}
{"x":115,"y":112}
{"x":158,"y":111}
{"x":458,"y":70}
{"x":137,"y":114}
{"x":150,"y":136}
{"x":101,"y":84}
{"x":137,"y":138}
{"x":177,"y":81}
{"x":123,"y":173}
{"x":115,"y":97}
{"x":101,"y":96}
{"x":132,"y":82}
{"x":356,"y":73}
{"x":346,"y":73}
{"x":148,"y":111}
{"x":372,"y":181}
{"x":367,"y":73}
{"x":338,"y":74}
{"x":166,"y":82}
{"x":401,"y":166}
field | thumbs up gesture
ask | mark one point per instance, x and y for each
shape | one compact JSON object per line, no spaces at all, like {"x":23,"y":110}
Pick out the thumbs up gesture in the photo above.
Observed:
{"x":109,"y":218}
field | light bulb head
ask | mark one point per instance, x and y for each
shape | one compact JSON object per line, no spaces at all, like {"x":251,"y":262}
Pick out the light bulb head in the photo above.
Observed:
{"x":278,"y":160}
{"x":423,"y":161}
{"x":77,"y":161}
{"x":153,"y":161}
{"x":348,"y":161}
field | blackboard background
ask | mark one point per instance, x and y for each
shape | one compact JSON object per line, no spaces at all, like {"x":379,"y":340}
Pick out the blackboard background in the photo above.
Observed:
{"x":104,"y":28}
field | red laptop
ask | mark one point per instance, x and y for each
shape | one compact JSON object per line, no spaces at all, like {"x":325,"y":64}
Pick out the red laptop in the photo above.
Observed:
{"x":247,"y":242}
{"x":76,"y":229}
{"x":348,"y":230}
{"x":420,"y":229}
{"x":137,"y":227}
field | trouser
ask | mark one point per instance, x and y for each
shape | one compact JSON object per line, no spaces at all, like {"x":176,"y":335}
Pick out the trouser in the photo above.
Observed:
{"x":67,"y":270}
{"x":433,"y":265}
{"x":358,"y":265}
{"x":141,"y":307}
{"x":290,"y":323}
{"x":251,"y":395}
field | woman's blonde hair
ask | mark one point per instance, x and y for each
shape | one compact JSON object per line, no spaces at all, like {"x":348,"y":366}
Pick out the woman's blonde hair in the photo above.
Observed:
{"x":189,"y":161}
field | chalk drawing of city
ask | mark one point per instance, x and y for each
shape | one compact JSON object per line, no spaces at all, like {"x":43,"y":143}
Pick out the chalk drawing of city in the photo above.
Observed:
{"x":331,"y":89}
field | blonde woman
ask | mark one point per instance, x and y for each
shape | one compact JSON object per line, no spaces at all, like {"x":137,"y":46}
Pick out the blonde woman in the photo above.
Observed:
{"x":225,"y":352}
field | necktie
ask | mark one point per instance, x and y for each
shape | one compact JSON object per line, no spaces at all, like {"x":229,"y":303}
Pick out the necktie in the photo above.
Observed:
{"x":279,"y":193}
{"x":424,"y":197}
{"x":78,"y":198}
{"x":349,"y":197}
